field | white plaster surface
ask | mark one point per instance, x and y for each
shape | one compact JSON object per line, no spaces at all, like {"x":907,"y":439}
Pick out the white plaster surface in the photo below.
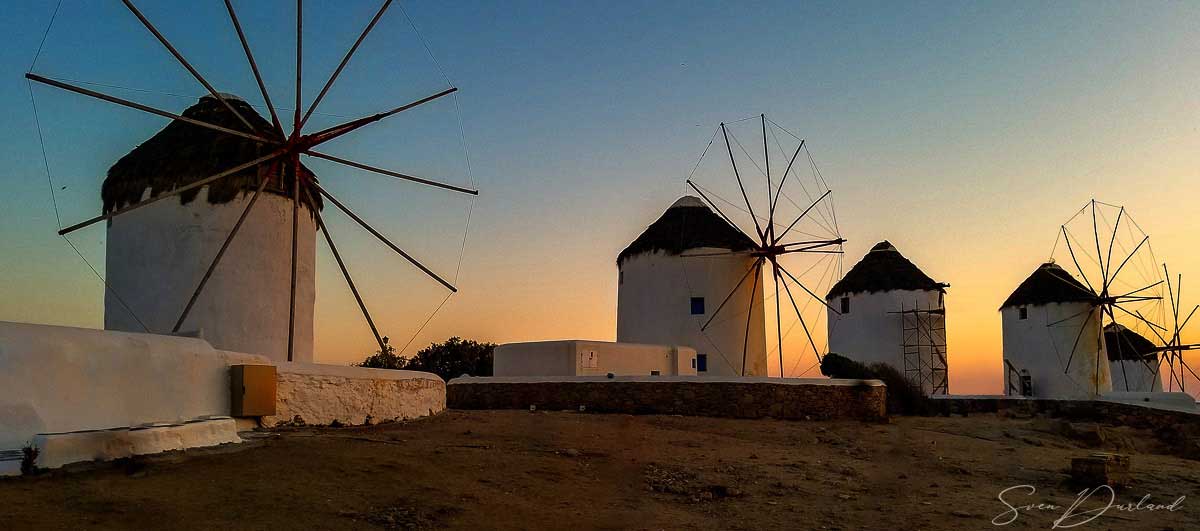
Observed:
{"x":58,"y":449}
{"x":320,"y":394}
{"x":1141,"y":378}
{"x":654,"y":307}
{"x":869,"y":333}
{"x":582,"y":357}
{"x":64,"y":379}
{"x":1030,"y":344}
{"x":157,"y":255}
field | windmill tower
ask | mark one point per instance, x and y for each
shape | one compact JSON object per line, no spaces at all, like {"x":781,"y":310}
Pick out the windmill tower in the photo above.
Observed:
{"x":696,"y":276}
{"x":1067,"y":331}
{"x":1132,"y":360}
{"x":212,"y":222}
{"x":156,"y":254}
{"x":658,"y":305}
{"x":886,"y":310}
{"x":1055,"y":361}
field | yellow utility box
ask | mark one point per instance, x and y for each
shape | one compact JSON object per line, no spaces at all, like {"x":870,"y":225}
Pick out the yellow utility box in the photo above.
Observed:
{"x":253,"y":390}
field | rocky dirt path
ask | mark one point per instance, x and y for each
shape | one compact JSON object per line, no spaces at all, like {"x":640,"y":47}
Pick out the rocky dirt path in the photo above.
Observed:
{"x":557,"y":470}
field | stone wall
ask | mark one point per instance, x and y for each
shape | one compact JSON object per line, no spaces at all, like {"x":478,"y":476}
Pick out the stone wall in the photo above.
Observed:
{"x":312,"y":394}
{"x":1178,"y":429}
{"x":725,"y":397}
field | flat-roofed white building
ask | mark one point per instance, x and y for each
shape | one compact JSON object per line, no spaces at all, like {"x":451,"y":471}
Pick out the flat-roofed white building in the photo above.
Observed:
{"x":577,"y":357}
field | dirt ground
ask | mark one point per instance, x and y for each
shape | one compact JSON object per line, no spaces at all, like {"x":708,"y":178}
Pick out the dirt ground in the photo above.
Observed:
{"x":560,"y":470}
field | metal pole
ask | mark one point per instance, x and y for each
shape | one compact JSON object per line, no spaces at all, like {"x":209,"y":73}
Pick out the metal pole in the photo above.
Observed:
{"x":188,"y":66}
{"x":397,"y":175}
{"x":1067,"y":238}
{"x":718,"y":209}
{"x":801,"y":216}
{"x":331,"y":133}
{"x":382,"y":238}
{"x":802,"y":286}
{"x":737,"y":175}
{"x":750,"y":314}
{"x":113,"y":99}
{"x":786,"y":171}
{"x":342,"y":65}
{"x":295,"y":237}
{"x":770,"y":211}
{"x":299,"y":65}
{"x":778,"y":319}
{"x":803,"y":325}
{"x":345,"y":272}
{"x":730,"y":295}
{"x":262,"y":87}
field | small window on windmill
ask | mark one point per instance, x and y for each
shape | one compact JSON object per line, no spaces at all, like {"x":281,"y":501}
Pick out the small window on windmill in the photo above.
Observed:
{"x":697,"y":305}
{"x":1022,"y":313}
{"x":620,"y":277}
{"x":588,"y":360}
{"x":845,"y":304}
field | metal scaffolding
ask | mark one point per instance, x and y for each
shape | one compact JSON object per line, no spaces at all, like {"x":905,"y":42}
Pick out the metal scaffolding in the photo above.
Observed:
{"x":923,"y":333}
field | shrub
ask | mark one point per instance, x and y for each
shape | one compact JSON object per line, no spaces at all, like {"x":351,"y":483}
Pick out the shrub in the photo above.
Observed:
{"x":450,"y":359}
{"x":903,"y":398}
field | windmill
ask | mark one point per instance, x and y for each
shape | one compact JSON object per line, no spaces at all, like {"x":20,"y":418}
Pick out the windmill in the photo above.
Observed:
{"x":787,"y":217}
{"x":1172,"y":346}
{"x":1109,"y":254}
{"x":275,"y":164}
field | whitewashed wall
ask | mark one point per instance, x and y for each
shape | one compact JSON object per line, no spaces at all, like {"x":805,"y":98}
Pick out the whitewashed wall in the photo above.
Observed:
{"x":1044,"y":350}
{"x":654,"y":307}
{"x":869,"y":333}
{"x":59,"y":379}
{"x":157,"y":255}
{"x":1142,"y":378}
{"x":591,"y":358}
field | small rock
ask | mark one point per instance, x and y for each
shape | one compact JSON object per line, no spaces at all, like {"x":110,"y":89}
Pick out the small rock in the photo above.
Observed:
{"x":571,"y":452}
{"x":962,"y":514}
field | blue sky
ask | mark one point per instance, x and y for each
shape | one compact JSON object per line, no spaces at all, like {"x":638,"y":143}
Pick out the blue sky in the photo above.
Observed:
{"x":963,"y":132}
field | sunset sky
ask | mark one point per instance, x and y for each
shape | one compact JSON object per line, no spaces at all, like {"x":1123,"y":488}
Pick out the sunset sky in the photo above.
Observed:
{"x":964,"y":133}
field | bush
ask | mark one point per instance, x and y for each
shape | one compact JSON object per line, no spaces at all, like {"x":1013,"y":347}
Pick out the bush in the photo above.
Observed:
{"x":29,"y":455}
{"x":903,"y":398}
{"x":451,"y":359}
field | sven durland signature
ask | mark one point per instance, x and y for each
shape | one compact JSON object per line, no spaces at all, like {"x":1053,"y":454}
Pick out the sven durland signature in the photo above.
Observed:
{"x":1100,"y":500}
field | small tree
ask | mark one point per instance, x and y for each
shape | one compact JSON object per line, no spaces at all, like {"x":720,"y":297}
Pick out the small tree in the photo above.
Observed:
{"x":384,"y":359}
{"x":451,"y":359}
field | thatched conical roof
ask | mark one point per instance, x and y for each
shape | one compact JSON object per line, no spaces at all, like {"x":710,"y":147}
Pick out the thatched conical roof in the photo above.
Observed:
{"x":182,"y":153}
{"x":687,"y":224}
{"x":1049,"y":283}
{"x":1125,"y":344}
{"x":884,"y":269}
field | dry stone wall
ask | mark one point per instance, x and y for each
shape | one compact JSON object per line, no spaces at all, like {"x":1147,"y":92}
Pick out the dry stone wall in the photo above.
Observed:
{"x":759,"y":398}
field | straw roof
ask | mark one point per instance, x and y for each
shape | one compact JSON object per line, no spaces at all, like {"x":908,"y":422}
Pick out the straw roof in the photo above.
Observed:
{"x":1125,"y":344}
{"x":687,"y":224}
{"x":182,"y":153}
{"x":884,"y":269}
{"x":1049,"y":283}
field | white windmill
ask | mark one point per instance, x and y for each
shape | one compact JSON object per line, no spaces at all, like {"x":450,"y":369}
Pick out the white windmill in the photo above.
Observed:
{"x":697,"y":275}
{"x":212,"y":221}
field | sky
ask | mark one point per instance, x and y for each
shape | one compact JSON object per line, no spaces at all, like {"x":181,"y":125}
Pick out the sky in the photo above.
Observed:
{"x":964,"y":133}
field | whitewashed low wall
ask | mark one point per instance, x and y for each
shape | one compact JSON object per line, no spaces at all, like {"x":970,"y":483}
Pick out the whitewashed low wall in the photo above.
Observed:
{"x":56,"y":379}
{"x":316,"y":394}
{"x":578,"y":357}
